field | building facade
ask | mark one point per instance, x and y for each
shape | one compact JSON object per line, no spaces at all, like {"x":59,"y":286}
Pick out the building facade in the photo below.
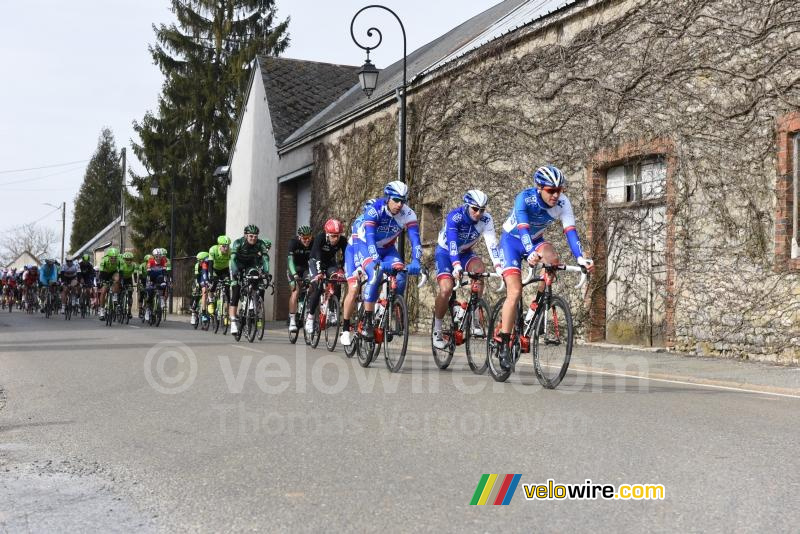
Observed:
{"x":677,"y":123}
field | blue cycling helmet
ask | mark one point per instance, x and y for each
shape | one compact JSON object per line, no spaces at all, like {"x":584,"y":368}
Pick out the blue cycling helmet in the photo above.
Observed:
{"x":549,"y":176}
{"x":396,"y":189}
{"x":476,"y":197}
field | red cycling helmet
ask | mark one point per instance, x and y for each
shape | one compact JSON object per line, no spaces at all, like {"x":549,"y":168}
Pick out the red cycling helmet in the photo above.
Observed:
{"x":333,"y":226}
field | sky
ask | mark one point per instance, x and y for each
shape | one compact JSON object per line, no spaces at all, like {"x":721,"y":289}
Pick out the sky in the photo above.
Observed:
{"x":72,"y":68}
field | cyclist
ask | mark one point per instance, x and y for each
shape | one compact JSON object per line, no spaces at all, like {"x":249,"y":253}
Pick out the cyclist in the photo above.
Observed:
{"x":217,"y":267}
{"x":463,"y":228}
{"x":30,"y":278}
{"x":86,"y":272}
{"x":158,"y":269}
{"x":352,"y":273}
{"x":68,"y":275}
{"x":535,"y":209}
{"x":384,"y":221}
{"x":48,"y":277}
{"x":324,"y":260}
{"x":127,"y":268}
{"x":246,"y":252}
{"x":299,"y":253}
{"x":109,"y":266}
{"x":141,"y":275}
{"x":198,"y":284}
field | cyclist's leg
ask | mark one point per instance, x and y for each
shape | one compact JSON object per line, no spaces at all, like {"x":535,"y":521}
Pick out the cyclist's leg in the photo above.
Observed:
{"x":444,"y":279}
{"x":391,"y":260}
{"x":513,"y":252}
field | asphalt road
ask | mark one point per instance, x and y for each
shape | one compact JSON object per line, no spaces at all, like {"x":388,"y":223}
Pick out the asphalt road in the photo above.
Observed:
{"x":169,"y":429}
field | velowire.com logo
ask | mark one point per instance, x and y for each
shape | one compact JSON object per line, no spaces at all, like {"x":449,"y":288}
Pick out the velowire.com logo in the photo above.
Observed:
{"x":495,"y":489}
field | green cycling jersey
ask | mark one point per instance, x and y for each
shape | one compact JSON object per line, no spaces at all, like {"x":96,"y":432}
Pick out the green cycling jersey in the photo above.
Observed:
{"x":107,"y":266}
{"x":218,"y":260}
{"x":245,"y":256}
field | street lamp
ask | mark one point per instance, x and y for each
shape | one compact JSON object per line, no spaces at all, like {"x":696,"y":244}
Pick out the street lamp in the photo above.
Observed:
{"x":368,"y":78}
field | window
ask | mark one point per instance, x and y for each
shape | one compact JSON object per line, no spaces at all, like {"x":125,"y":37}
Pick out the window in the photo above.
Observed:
{"x":635,"y":182}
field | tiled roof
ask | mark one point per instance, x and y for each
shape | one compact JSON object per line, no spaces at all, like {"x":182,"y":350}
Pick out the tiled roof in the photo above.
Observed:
{"x":495,"y":22}
{"x":297,"y":90}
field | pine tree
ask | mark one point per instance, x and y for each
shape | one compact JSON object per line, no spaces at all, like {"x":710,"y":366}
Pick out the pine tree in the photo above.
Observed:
{"x":98,"y":200}
{"x":206,"y":60}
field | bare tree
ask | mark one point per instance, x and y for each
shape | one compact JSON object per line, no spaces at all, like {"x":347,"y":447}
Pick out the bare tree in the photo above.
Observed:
{"x":37,"y":240}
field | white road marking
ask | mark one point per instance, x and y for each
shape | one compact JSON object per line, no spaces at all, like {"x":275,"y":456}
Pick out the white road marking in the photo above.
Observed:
{"x":247,"y":348}
{"x":685,"y":383}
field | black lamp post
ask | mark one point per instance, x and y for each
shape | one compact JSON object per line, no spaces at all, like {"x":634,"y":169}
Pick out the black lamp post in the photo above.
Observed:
{"x":368,"y":78}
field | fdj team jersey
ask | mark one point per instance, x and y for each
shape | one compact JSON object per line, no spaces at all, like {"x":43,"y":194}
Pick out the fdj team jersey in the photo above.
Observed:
{"x":531,"y":217}
{"x":460,"y":233}
{"x":385,"y":227}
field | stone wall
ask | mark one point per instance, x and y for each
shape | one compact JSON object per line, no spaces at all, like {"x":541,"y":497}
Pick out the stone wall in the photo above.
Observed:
{"x":710,"y":80}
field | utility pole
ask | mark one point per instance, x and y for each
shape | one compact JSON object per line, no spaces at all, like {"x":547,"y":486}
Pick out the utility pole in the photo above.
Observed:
{"x":63,"y":228}
{"x":122,"y":205}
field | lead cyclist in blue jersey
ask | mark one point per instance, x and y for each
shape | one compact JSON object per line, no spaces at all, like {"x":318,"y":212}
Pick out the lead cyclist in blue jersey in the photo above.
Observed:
{"x":535,"y":209}
{"x":463,"y":228}
{"x":383,"y":222}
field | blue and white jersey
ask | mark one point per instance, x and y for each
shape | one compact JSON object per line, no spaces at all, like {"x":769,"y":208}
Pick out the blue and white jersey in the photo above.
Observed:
{"x":355,"y":228}
{"x":381,"y":229}
{"x":531,"y":217}
{"x":460,"y":233}
{"x":387,"y":226}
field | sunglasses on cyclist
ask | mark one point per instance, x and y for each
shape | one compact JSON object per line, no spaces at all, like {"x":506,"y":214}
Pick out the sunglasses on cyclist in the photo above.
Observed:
{"x":251,"y":235}
{"x":476,"y":209}
{"x":553,"y":190}
{"x":398,"y":200}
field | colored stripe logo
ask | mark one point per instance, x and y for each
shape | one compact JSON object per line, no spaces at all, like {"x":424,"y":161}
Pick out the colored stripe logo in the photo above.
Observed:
{"x":495,"y":489}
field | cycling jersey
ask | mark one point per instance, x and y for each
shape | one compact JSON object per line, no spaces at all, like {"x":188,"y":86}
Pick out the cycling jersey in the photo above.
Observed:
{"x":48,"y":274}
{"x":524,"y":229}
{"x":217,"y":260}
{"x":69,"y":272}
{"x":244,"y":255}
{"x":162,"y":264}
{"x":86,"y":272}
{"x":460,"y":233}
{"x":380,"y":229}
{"x":324,"y":255}
{"x":127,"y":269}
{"x":298,"y":256}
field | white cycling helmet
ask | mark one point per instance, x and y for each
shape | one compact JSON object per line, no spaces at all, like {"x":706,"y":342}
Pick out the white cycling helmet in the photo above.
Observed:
{"x":476,"y":197}
{"x":396,"y":189}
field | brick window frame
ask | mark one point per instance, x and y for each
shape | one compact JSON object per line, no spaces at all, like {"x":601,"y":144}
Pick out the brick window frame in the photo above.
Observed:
{"x":597,"y":231}
{"x":788,"y":128}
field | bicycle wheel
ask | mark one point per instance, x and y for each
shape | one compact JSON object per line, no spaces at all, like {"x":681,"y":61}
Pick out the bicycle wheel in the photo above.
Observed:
{"x":195,"y":314}
{"x":251,"y":317}
{"x":261,"y":317}
{"x":157,"y":312}
{"x":317,"y":327}
{"x":476,"y":330}
{"x":443,"y":357}
{"x":302,"y":322}
{"x":552,"y":343}
{"x":68,"y":309}
{"x":395,"y":334}
{"x":332,"y":322}
{"x":219,"y":312}
{"x":493,"y":344}
{"x":351,"y":349}
{"x":366,"y":349}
